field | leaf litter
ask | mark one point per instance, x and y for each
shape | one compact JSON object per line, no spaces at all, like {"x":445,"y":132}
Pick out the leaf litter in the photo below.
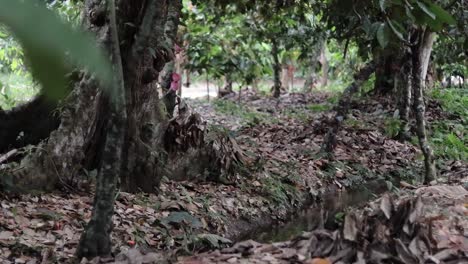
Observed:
{"x":283,"y":141}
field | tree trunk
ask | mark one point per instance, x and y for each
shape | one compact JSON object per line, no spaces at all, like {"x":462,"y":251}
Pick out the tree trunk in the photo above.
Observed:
{"x":170,"y":31}
{"x":276,"y":69}
{"x":343,"y":106}
{"x":426,"y":50}
{"x":387,"y":71}
{"x":95,"y":240}
{"x":77,"y":145}
{"x":324,"y":63}
{"x":420,"y":53}
{"x":312,"y":78}
{"x":405,"y":97}
{"x":227,"y":89}
{"x":318,"y":63}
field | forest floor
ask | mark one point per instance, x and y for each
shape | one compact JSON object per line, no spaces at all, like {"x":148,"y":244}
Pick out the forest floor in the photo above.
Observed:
{"x":286,"y":174}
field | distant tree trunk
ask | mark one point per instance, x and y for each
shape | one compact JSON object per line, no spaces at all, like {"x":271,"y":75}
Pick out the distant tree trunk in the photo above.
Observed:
{"x":311,"y":79}
{"x":324,"y":63}
{"x":318,"y":63}
{"x":285,"y":77}
{"x":343,"y":106}
{"x":276,"y":69}
{"x":387,"y":71}
{"x":227,"y":89}
{"x":420,"y":55}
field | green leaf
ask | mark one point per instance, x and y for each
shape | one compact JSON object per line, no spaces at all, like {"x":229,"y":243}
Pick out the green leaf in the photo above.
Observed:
{"x":426,"y":9}
{"x":441,"y":14}
{"x":395,"y":31}
{"x":49,"y":43}
{"x":382,"y":35}
{"x":409,"y":13}
{"x":182,"y":217}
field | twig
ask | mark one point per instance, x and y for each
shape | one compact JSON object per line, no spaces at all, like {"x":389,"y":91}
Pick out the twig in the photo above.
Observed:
{"x":8,"y":155}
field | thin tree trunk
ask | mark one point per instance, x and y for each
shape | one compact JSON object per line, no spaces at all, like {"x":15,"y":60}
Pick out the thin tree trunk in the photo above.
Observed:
{"x":170,"y":32}
{"x":404,"y":84}
{"x":419,"y":54}
{"x":95,"y":240}
{"x":276,"y":69}
{"x":207,"y":86}
{"x":285,"y":76}
{"x":255,"y":85}
{"x":324,"y":62}
{"x":426,"y":50}
{"x":343,"y":106}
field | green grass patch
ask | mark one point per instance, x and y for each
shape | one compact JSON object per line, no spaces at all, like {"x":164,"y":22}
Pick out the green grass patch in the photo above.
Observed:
{"x":450,"y":137}
{"x":319,"y":107}
{"x":392,"y":127}
{"x":242,"y":111}
{"x":453,"y":100}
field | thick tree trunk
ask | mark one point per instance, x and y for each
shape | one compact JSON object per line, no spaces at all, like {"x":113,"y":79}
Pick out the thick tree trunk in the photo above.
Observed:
{"x":420,"y":53}
{"x":276,"y":69}
{"x":343,"y":106}
{"x":78,"y":143}
{"x":95,"y":240}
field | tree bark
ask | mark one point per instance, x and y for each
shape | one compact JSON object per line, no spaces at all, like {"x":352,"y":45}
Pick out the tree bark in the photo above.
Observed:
{"x":276,"y":69}
{"x":95,"y":240}
{"x":227,"y":89}
{"x":420,"y":53}
{"x":426,"y":50}
{"x":343,"y":106}
{"x":170,"y":31}
{"x":405,"y":97}
{"x":324,"y":63}
{"x":78,"y":143}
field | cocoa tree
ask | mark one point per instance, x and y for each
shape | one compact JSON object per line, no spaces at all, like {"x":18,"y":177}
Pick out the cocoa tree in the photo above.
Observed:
{"x":407,"y":28}
{"x":119,"y":133}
